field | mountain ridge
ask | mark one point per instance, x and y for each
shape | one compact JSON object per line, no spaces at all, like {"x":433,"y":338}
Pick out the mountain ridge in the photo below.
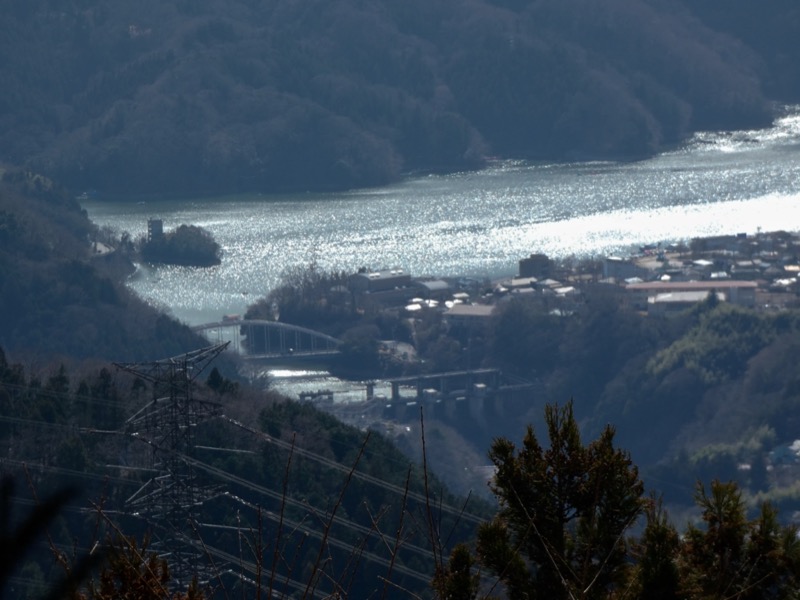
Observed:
{"x":216,"y":97}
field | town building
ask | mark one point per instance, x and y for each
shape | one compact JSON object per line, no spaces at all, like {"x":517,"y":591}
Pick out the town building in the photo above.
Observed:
{"x":379,"y":281}
{"x":743,"y":293}
{"x":536,"y":265}
{"x":155,"y":229}
{"x":387,"y":287}
{"x":619,"y":269}
{"x":672,"y":302}
{"x":469,"y":316}
{"x":436,"y":289}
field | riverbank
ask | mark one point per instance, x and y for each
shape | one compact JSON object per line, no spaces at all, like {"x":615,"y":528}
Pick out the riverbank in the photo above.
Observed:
{"x":759,"y":271}
{"x":477,"y":224}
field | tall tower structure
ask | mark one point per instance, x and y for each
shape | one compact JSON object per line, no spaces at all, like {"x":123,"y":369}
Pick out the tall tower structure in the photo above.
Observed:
{"x":155,"y":229}
{"x":170,"y":500}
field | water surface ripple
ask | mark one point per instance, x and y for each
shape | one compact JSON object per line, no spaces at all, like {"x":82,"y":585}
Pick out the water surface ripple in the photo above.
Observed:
{"x":476,"y":223}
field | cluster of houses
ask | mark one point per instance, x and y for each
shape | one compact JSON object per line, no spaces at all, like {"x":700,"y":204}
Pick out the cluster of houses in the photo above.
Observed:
{"x":749,"y":270}
{"x":758,"y":271}
{"x":396,"y":288}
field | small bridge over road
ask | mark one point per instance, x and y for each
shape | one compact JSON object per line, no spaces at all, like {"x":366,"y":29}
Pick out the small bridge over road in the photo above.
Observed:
{"x":270,"y":340}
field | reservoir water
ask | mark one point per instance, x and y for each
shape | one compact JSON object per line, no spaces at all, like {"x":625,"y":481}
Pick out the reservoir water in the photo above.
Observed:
{"x":476,"y":223}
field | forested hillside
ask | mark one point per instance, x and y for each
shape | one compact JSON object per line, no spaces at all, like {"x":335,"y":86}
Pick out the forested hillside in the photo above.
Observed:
{"x":208,"y":96}
{"x":61,"y":295}
{"x":309,"y":500}
{"x":770,"y":33}
{"x":709,"y":393}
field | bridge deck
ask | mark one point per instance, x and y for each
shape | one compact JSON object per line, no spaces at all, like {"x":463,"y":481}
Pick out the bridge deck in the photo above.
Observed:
{"x":269,"y":340}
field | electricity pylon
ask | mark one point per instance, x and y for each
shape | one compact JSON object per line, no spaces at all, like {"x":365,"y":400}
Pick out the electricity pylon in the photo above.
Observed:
{"x":170,"y":500}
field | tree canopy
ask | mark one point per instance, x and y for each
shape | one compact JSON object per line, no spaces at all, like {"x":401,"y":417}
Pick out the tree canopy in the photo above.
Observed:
{"x":563,"y":514}
{"x":59,"y":296}
{"x":187,"y":245}
{"x":210,"y":97}
{"x":564,"y":529}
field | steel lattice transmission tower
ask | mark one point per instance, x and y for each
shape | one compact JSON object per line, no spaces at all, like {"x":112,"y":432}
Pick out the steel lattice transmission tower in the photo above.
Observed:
{"x":171,"y":499}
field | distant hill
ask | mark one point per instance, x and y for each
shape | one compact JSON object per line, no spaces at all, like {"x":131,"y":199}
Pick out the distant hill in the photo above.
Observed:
{"x":771,"y":32}
{"x":61,"y":294}
{"x":204,"y":96}
{"x":62,"y":303}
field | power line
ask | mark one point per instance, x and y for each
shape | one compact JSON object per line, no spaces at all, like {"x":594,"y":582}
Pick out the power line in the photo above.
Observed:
{"x":269,"y":439}
{"x":168,"y":424}
{"x":297,"y":526}
{"x":460,"y":513}
{"x":280,"y":497}
{"x":66,"y":471}
{"x":48,"y":393}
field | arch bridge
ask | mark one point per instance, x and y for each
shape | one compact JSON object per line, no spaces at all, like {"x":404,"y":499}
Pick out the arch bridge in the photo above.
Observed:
{"x":266,"y":340}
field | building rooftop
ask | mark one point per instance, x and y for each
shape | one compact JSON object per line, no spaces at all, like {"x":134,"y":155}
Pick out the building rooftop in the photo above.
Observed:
{"x":384,"y":274}
{"x":471,"y":310}
{"x":683,"y":297}
{"x":690,"y":285}
{"x":437,"y":285}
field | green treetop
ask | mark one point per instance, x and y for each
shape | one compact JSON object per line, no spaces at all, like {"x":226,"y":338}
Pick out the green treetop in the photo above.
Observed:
{"x":563,"y":512}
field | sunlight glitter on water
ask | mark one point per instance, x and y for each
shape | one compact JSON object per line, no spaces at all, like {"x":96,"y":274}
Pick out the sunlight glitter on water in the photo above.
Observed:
{"x":451,"y":250}
{"x":624,"y":231}
{"x":477,"y":223}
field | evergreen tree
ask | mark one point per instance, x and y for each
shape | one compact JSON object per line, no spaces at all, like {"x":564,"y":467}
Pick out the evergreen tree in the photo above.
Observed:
{"x":774,"y":553}
{"x":656,"y":552}
{"x":731,"y":557}
{"x":714,"y":559}
{"x":458,"y":581}
{"x":563,"y":513}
